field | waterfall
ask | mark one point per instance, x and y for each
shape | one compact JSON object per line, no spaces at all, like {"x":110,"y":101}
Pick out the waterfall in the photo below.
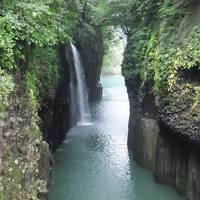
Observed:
{"x":79,"y":91}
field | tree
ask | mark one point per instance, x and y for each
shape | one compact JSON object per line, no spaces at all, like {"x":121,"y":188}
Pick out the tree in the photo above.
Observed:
{"x":108,"y":13}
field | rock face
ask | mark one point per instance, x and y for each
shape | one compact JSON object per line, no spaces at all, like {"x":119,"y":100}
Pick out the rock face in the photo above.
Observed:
{"x":161,"y":67}
{"x":90,"y":45}
{"x":24,"y":156}
{"x":172,"y":157}
{"x":55,"y":111}
{"x":177,"y":163}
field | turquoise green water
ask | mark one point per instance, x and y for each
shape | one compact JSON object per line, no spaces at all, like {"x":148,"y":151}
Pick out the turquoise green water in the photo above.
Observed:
{"x":94,"y":163}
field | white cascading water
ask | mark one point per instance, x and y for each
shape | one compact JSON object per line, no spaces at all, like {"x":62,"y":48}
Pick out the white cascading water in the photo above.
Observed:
{"x":83,"y":111}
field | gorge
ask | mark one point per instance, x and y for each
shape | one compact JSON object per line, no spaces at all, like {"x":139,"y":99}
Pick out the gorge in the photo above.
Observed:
{"x":46,"y":153}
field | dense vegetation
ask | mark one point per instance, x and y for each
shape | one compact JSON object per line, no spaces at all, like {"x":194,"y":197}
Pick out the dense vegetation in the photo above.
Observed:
{"x":156,"y":44}
{"x":27,"y":27}
{"x":163,"y":47}
{"x":30,"y":25}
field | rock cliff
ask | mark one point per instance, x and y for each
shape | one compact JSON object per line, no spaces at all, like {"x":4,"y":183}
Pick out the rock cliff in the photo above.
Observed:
{"x":161,"y":68}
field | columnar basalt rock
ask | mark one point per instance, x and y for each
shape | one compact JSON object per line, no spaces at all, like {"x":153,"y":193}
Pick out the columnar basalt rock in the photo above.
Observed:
{"x":171,"y":155}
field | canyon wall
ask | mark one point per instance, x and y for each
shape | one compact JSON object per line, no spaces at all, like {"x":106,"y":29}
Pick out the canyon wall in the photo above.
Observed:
{"x":55,"y":108}
{"x":34,"y":122}
{"x":37,"y":116}
{"x":173,"y":158}
{"x":35,"y":75}
{"x":161,"y":68}
{"x":24,"y":156}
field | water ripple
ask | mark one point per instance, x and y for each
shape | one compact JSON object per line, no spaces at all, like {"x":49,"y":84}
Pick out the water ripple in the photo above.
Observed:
{"x":94,"y":163}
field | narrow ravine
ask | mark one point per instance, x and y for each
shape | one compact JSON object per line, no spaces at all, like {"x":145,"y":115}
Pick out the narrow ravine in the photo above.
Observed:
{"x":94,"y":163}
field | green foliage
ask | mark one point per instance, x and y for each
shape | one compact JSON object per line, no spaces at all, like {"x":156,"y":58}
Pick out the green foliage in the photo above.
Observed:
{"x":40,"y":22}
{"x":188,"y":55}
{"x":164,"y":48}
{"x":41,"y":79}
{"x":144,"y":14}
{"x":136,"y":51}
{"x":30,"y":23}
{"x":6,"y":44}
{"x":6,"y":86}
{"x":32,"y":90}
{"x":106,"y":13}
{"x":151,"y":50}
{"x":46,"y":63}
{"x":25,"y":24}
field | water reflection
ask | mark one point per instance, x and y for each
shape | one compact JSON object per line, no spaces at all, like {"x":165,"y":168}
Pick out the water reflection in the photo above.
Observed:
{"x":95,"y":164}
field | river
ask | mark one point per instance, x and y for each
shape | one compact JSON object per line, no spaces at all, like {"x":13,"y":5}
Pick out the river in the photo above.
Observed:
{"x":93,"y":163}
